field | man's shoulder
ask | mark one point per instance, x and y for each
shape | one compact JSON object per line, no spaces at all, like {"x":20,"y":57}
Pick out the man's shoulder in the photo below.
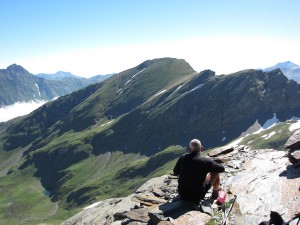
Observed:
{"x":204,"y":159}
{"x":184,"y":155}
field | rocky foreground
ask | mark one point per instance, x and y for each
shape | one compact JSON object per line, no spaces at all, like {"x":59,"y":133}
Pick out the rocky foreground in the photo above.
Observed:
{"x":263,"y":180}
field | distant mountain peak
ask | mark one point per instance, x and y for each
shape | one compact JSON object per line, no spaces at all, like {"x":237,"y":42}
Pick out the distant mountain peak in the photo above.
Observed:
{"x":16,"y":68}
{"x":283,"y":65}
{"x":287,"y":64}
{"x":289,"y":69}
{"x":59,"y":75}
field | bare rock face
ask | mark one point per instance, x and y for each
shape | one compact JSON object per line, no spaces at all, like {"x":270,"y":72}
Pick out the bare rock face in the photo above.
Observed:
{"x":266,"y":184}
{"x":102,"y":212}
{"x":293,"y":143}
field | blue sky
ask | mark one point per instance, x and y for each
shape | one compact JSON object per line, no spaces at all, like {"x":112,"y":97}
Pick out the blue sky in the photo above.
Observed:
{"x":94,"y":37}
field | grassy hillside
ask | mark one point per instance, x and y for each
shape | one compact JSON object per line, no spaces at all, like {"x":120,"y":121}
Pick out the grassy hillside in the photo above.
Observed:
{"x":274,"y":137}
{"x":113,"y":174}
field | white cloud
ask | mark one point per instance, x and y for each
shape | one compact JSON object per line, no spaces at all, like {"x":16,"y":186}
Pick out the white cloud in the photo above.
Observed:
{"x":222,"y":54}
{"x":18,"y":109}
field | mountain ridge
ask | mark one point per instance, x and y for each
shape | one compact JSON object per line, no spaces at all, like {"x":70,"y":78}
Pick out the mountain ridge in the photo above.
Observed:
{"x":18,"y":85}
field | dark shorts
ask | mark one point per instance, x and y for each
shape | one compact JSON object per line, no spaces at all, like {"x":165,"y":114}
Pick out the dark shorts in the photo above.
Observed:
{"x":195,"y":195}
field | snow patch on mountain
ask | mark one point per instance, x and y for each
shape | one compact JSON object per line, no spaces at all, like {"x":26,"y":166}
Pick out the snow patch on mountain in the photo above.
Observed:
{"x":197,"y":87}
{"x":160,"y":92}
{"x":268,"y":124}
{"x":193,"y":89}
{"x":267,"y":136}
{"x":38,"y":89}
{"x":134,"y":76}
{"x":176,"y":90}
{"x":295,"y":126}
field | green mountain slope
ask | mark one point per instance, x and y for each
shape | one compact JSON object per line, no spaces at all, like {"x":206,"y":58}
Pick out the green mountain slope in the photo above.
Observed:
{"x":106,"y":139}
{"x":208,"y":106}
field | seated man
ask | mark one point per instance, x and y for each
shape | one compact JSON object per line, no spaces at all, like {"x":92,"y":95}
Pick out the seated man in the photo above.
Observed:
{"x":197,"y":174}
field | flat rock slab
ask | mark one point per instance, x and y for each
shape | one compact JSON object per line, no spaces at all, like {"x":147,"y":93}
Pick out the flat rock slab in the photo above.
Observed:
{"x":137,"y":215}
{"x":294,"y":141}
{"x":192,"y":218}
{"x":220,"y":151}
{"x":267,"y":183}
{"x":149,"y":198}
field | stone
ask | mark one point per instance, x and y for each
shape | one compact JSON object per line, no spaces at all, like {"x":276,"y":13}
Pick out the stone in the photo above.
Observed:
{"x":120,"y":222}
{"x":169,"y":210}
{"x":134,"y":223}
{"x":152,"y":184}
{"x":294,"y":141}
{"x":173,"y":183}
{"x":149,"y":198}
{"x":158,"y":193}
{"x":156,"y":218}
{"x":296,"y":154}
{"x":239,"y":148}
{"x":192,"y":218}
{"x":140,"y":215}
{"x":165,"y":223}
{"x":223,"y":158}
{"x":236,"y":164}
{"x":102,"y":212}
{"x":220,"y":151}
{"x":294,"y":157}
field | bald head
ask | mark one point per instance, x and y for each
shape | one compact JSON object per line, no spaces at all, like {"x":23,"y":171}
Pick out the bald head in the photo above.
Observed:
{"x":195,"y":145}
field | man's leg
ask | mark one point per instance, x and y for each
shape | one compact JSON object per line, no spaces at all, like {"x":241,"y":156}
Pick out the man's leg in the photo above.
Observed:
{"x":214,"y":180}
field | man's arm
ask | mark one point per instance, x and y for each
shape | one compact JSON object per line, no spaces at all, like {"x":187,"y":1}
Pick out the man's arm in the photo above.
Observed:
{"x":213,"y":166}
{"x":176,"y":169}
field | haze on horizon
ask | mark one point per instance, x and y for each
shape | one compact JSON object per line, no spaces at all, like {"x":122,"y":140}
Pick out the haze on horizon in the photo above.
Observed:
{"x":100,"y":37}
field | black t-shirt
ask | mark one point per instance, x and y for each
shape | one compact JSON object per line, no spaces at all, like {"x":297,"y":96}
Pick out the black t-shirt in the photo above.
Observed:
{"x":192,"y":170}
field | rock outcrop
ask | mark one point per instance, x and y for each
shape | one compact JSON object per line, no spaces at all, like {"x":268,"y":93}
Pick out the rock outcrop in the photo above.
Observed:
{"x":293,"y":144}
{"x":102,"y":212}
{"x":155,"y":202}
{"x":263,"y":180}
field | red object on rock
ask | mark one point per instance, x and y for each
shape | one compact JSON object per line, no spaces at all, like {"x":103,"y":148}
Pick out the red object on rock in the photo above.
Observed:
{"x":221,"y":197}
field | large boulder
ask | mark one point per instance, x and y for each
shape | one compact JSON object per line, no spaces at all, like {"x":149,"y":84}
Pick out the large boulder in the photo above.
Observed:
{"x":293,"y":142}
{"x":220,"y":151}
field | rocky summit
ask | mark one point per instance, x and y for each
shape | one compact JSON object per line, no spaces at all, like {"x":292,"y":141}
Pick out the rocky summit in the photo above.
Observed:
{"x":263,"y":181}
